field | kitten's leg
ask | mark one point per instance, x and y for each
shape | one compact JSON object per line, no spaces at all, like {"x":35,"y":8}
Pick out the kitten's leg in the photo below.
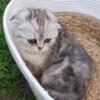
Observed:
{"x":82,"y":75}
{"x":32,"y":68}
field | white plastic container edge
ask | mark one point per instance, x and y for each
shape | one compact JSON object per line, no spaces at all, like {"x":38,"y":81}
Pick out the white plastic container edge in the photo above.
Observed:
{"x":91,"y":7}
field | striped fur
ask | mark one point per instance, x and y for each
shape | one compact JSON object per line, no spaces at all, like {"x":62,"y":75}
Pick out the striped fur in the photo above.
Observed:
{"x":38,"y":24}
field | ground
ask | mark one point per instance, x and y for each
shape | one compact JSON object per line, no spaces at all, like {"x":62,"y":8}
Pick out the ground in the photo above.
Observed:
{"x":12,"y":83}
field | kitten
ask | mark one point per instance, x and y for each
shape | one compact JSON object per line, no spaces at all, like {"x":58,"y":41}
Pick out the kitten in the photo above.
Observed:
{"x":34,"y":32}
{"x":68,"y":75}
{"x":36,"y":35}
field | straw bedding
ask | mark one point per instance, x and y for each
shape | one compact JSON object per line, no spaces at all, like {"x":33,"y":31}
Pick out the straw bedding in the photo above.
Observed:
{"x":86,"y":30}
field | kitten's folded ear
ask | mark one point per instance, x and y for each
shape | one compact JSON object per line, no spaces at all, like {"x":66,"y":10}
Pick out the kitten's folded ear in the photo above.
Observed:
{"x":52,"y":17}
{"x":23,"y":14}
{"x":14,"y":20}
{"x":58,"y":26}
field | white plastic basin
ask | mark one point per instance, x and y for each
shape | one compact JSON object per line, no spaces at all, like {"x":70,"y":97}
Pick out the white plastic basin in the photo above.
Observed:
{"x":91,"y":7}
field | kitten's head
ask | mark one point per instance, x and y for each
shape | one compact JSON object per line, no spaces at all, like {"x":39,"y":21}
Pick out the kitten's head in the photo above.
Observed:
{"x":38,"y":27}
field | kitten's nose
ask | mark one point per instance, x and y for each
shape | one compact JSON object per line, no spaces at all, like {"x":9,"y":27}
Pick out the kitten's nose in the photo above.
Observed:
{"x":40,"y":48}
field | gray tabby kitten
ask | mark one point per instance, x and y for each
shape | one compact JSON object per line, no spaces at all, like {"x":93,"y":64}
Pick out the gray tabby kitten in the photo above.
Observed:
{"x":68,"y":74}
{"x":47,"y":49}
{"x":34,"y":32}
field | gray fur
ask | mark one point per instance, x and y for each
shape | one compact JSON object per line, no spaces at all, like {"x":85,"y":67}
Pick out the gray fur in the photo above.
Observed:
{"x":68,"y":74}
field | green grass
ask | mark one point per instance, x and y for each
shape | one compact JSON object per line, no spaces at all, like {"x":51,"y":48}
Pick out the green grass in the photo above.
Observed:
{"x":11,"y":79}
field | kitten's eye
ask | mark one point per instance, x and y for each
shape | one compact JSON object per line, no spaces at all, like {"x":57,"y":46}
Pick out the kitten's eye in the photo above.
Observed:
{"x":32,"y":41}
{"x":47,"y":40}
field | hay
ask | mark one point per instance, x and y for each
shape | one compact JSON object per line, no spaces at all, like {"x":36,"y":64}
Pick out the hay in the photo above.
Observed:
{"x":86,"y":30}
